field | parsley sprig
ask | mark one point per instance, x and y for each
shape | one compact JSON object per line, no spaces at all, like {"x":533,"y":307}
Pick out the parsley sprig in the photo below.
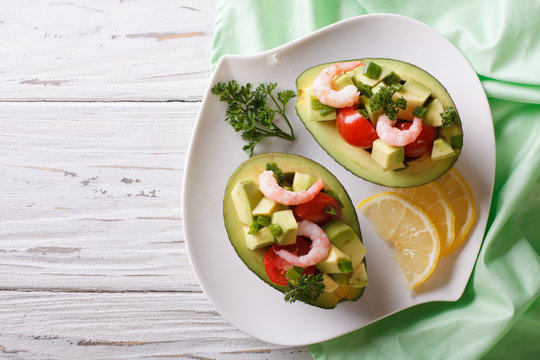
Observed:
{"x":449,"y":117}
{"x":308,"y":288}
{"x":250,"y":113}
{"x":382,"y":100}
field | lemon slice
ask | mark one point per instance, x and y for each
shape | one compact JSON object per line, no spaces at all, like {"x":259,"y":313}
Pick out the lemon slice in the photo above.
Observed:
{"x":431,"y":198}
{"x":409,"y":230}
{"x":460,"y":196}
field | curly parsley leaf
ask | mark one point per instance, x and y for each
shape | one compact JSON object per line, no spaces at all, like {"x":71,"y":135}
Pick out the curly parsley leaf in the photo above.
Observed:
{"x":449,"y":117}
{"x":308,"y":288}
{"x":382,"y":100}
{"x":250,"y":112}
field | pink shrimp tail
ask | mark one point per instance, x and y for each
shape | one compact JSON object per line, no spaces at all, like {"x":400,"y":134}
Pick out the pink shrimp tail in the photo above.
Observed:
{"x":322,"y":86}
{"x":393,"y":136}
{"x":320,"y":246}
{"x":271,"y":189}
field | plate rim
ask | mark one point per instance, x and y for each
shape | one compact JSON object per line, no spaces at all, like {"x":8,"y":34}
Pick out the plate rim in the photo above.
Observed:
{"x":190,"y":158}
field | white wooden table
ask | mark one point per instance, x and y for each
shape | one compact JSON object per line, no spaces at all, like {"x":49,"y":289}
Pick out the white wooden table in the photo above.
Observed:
{"x":98,"y":101}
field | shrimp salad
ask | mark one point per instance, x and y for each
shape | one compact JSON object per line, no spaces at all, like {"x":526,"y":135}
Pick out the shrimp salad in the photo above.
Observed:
{"x":284,"y":216}
{"x":394,"y":124}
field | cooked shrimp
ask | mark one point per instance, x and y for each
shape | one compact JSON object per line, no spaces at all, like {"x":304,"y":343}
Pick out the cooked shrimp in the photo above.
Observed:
{"x":271,"y":189}
{"x":394,"y":136}
{"x":322,"y":86}
{"x":320,"y":246}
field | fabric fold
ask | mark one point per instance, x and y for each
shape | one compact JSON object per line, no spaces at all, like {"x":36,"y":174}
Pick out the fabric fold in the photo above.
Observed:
{"x":498,"y":315}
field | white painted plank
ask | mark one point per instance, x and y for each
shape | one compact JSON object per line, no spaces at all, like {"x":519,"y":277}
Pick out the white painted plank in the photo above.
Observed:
{"x":91,"y":196}
{"x":49,"y":325}
{"x":91,"y":211}
{"x":105,"y":50}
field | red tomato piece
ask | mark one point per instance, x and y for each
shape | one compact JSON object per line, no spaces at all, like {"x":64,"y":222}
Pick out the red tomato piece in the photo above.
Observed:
{"x":354,"y":128}
{"x":314,"y":210}
{"x":424,"y":141}
{"x":276,"y":267}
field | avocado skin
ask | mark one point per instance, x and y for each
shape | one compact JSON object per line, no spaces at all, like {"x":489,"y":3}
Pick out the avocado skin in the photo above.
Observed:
{"x":358,"y":161}
{"x":288,"y":163}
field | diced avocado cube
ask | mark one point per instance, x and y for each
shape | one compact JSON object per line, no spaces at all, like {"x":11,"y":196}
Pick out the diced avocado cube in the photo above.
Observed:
{"x":386,"y":155}
{"x":450,"y":131}
{"x":294,"y":273}
{"x":330,"y":264}
{"x":338,"y":233}
{"x":343,"y":237}
{"x":313,"y":114}
{"x":433,"y":116}
{"x":341,"y":291}
{"x":416,"y":88}
{"x":358,"y":74}
{"x":399,"y":166}
{"x":441,"y":150}
{"x":302,"y":181}
{"x":263,"y":237}
{"x":329,"y":284}
{"x":245,"y":196}
{"x":289,"y":227}
{"x":359,"y":277}
{"x":340,"y":278}
{"x":416,"y":95}
{"x":373,"y":116}
{"x":342,"y":81}
{"x":267,"y":207}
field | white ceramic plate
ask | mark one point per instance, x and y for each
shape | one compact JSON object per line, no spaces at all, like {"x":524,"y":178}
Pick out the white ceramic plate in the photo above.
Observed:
{"x":216,"y":150}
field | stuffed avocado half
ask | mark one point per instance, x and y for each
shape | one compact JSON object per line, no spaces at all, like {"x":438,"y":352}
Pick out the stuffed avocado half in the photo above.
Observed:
{"x":369,"y":157}
{"x":259,"y":227}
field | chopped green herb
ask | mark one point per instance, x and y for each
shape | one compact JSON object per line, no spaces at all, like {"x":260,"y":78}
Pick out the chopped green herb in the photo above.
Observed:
{"x":456,"y":141}
{"x":391,"y":78}
{"x":250,"y":113}
{"x":396,"y":86}
{"x":254,"y":227}
{"x":449,"y":117}
{"x":280,"y":176}
{"x":275,"y":229}
{"x":263,"y":220}
{"x":316,"y":104}
{"x":294,"y":273}
{"x":420,"y":112}
{"x":345,"y":266}
{"x":307,"y":288}
{"x":383,"y":100}
{"x":363,"y":88}
{"x":372,"y":70}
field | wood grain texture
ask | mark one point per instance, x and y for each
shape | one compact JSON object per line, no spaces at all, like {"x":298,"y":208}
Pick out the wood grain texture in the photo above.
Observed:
{"x":98,"y":102}
{"x":105,"y":50}
{"x":50,"y":325}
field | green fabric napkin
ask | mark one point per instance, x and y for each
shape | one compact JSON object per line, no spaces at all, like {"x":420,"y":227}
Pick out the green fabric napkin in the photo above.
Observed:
{"x":498,"y":316}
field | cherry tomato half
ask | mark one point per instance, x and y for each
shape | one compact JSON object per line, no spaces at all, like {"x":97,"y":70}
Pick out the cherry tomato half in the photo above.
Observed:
{"x":424,"y":141}
{"x":321,"y":209}
{"x":354,"y":128}
{"x":276,"y":267}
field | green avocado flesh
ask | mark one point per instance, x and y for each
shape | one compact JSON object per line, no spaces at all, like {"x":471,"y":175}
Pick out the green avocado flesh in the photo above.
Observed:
{"x":420,"y":171}
{"x":287,"y":163}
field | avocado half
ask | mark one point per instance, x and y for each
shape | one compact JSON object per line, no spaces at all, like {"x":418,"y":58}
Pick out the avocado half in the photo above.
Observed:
{"x":421,"y":170}
{"x":288,"y":163}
